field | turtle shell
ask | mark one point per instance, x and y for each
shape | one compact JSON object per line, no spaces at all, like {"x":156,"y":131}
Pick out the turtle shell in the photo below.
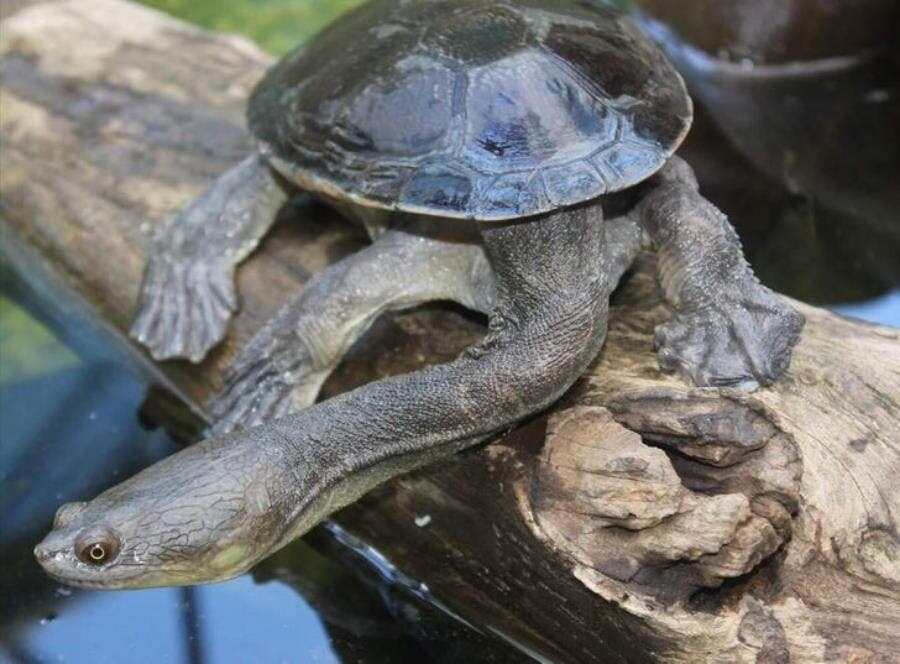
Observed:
{"x":473,"y":109}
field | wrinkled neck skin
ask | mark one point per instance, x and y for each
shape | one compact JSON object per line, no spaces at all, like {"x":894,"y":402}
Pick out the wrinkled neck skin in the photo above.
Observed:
{"x":212,"y":511}
{"x":203,"y":514}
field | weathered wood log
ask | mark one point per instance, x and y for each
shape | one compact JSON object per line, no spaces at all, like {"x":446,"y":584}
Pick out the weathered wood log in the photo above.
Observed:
{"x":639,"y":519}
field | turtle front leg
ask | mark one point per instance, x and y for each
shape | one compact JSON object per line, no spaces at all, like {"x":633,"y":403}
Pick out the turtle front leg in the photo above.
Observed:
{"x":187,"y":295}
{"x":728,"y":329}
{"x":283,"y":367}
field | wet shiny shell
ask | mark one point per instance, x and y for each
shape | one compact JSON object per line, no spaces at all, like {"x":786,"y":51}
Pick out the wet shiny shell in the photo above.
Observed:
{"x":467,"y":108}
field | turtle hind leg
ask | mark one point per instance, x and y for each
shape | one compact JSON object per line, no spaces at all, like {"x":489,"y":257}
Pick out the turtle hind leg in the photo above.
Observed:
{"x":187,"y":295}
{"x":728,"y":329}
{"x":283,"y":367}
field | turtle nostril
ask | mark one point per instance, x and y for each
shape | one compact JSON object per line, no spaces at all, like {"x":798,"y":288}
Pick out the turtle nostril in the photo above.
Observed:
{"x":66,"y":513}
{"x":42,"y":553}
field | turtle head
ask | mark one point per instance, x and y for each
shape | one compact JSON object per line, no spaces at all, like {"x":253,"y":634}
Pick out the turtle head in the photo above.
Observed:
{"x":201,"y":515}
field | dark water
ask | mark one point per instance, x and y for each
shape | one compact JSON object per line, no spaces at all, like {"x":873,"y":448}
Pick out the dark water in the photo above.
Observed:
{"x":70,"y":432}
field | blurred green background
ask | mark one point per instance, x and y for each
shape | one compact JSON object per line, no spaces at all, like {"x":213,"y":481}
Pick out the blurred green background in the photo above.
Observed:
{"x":276,"y":25}
{"x":29,"y":348}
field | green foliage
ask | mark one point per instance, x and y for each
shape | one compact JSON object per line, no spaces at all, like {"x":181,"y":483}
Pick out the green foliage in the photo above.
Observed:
{"x":28,"y":348}
{"x":276,"y":25}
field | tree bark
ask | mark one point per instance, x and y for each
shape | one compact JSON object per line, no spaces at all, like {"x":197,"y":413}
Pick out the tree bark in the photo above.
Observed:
{"x":639,"y":519}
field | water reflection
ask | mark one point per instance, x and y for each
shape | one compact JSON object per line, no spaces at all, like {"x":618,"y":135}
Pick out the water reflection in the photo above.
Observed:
{"x":68,"y":433}
{"x":884,"y":310}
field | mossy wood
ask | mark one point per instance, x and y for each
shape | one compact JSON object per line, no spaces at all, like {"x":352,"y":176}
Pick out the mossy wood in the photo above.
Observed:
{"x":639,"y":520}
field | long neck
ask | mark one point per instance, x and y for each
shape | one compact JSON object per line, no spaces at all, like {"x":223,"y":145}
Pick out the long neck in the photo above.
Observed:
{"x":548,"y":325}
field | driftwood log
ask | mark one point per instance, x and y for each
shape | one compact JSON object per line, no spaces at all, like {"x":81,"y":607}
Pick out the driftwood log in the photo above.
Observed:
{"x":638,"y":520}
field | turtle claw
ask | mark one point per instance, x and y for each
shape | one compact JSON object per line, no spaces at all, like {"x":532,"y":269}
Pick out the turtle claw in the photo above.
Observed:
{"x":741,"y":341}
{"x":184,"y":309}
{"x":262,"y":386}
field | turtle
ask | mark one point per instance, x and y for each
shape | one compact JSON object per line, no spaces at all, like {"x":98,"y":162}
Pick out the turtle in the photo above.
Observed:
{"x":513,"y":157}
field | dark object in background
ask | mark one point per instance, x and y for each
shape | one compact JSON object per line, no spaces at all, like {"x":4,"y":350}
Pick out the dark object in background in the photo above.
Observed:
{"x":807,"y":93}
{"x":780,"y":31}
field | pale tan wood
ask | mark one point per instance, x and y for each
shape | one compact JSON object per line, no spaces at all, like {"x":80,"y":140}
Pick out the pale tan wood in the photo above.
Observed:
{"x":753,"y":528}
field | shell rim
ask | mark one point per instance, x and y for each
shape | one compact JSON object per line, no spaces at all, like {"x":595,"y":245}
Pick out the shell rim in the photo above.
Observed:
{"x":314,"y":183}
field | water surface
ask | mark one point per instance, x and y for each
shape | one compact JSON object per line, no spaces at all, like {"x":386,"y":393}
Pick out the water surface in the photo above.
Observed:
{"x":71,"y":425}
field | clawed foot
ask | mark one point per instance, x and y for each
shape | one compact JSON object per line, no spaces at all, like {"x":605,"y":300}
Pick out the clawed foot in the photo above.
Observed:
{"x":184,"y":308}
{"x":742,"y":339}
{"x":262,"y":384}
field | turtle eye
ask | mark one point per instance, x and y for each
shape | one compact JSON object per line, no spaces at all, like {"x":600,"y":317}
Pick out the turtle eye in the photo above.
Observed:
{"x":95,"y":553}
{"x":97,"y":547}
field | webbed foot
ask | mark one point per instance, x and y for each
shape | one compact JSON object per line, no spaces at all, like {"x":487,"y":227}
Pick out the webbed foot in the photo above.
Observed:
{"x":184,"y":307}
{"x":742,"y":338}
{"x":267,"y":380}
{"x":188,"y":295}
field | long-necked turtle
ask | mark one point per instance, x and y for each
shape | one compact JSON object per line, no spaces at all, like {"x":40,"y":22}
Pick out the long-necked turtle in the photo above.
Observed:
{"x":505,"y":118}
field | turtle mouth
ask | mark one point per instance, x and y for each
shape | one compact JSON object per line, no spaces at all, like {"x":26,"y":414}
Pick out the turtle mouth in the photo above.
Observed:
{"x":88,"y":584}
{"x":122,"y":575}
{"x":114,"y":578}
{"x":96,"y":583}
